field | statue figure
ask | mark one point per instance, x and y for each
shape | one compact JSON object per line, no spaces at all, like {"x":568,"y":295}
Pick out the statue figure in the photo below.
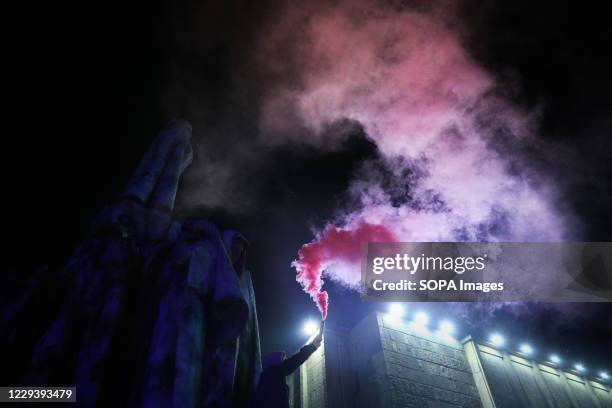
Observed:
{"x":160,"y":312}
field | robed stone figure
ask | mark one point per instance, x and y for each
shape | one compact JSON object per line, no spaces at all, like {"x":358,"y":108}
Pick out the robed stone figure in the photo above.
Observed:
{"x":160,"y":312}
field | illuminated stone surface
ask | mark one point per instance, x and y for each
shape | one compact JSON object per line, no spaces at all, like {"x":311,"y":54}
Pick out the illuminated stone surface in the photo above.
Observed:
{"x":385,"y":362}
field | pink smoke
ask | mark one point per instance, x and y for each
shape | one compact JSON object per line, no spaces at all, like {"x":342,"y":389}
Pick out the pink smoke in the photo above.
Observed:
{"x":339,"y":248}
{"x":431,"y":111}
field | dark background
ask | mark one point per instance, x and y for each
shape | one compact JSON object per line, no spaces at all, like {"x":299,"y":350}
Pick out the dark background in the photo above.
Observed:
{"x":88,"y":85}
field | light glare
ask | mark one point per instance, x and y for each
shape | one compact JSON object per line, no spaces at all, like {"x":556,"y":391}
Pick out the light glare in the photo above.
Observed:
{"x":604,"y":375}
{"x":310,"y":327}
{"x":497,"y":339}
{"x":396,"y":310}
{"x":555,"y":359}
{"x":526,"y":349}
{"x":421,"y":319}
{"x":447,"y":327}
{"x":579,"y":367}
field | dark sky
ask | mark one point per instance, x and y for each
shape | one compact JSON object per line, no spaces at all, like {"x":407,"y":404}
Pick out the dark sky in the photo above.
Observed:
{"x":90,"y":83}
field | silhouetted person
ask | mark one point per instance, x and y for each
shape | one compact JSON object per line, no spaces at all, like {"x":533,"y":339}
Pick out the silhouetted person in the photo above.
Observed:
{"x":272,"y":391}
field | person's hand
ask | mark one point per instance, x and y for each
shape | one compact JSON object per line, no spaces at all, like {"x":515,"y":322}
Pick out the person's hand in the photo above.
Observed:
{"x":131,"y":244}
{"x":156,"y":179}
{"x":143,"y":215}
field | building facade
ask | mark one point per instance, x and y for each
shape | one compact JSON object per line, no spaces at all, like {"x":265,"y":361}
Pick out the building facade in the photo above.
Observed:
{"x":387,"y":362}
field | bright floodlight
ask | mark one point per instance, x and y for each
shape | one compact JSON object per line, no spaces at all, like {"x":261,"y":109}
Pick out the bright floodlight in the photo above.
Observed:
{"x":447,"y":327}
{"x":555,"y":359}
{"x":604,"y":375}
{"x":310,"y":327}
{"x":396,"y":310}
{"x":421,"y":319}
{"x":497,"y":339}
{"x":579,"y":367}
{"x":526,"y":349}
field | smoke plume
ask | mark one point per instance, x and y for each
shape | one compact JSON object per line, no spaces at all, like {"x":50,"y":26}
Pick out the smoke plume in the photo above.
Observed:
{"x":449,"y":142}
{"x":338,"y":250}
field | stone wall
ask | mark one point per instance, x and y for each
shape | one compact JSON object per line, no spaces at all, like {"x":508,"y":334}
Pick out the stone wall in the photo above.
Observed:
{"x":415,"y":368}
{"x":312,"y":376}
{"x":387,"y":363}
{"x":514,"y":381}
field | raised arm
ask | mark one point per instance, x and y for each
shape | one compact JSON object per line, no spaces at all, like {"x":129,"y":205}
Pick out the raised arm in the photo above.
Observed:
{"x":292,"y":363}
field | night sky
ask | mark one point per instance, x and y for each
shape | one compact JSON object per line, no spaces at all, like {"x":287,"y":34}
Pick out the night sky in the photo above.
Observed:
{"x":90,"y":84}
